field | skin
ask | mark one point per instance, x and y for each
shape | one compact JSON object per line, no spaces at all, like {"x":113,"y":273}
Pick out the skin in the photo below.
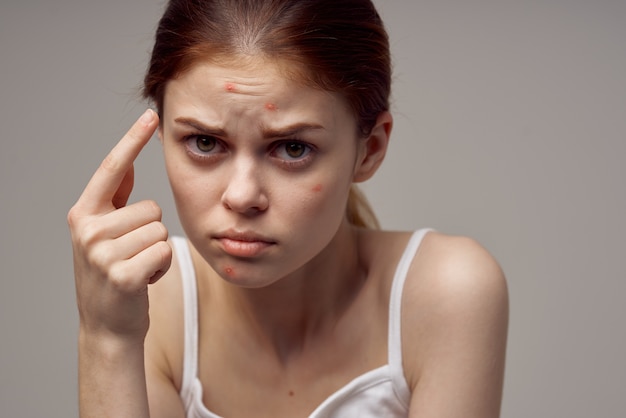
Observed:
{"x":249,"y":183}
{"x":293,"y":299}
{"x":118,"y":250}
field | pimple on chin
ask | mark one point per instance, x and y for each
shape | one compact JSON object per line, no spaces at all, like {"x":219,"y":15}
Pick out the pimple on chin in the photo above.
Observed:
{"x":229,"y":87}
{"x":229,"y":271}
{"x":270,"y":106}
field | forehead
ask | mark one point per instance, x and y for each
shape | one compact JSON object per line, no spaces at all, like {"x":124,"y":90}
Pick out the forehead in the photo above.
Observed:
{"x":249,"y":70}
{"x":251,"y":93}
{"x":246,"y":80}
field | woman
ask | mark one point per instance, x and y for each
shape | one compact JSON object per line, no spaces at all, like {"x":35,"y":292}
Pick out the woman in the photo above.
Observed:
{"x":286,"y":300}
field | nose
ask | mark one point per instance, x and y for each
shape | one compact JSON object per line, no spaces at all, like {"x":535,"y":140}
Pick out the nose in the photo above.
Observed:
{"x":244,"y":192}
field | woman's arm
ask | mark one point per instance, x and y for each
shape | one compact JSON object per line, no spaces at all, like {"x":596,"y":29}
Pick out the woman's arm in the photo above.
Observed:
{"x":112,"y":381}
{"x":457,"y":331}
{"x":118,"y":250}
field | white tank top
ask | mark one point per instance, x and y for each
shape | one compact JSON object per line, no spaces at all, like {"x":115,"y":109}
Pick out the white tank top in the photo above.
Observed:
{"x":382,"y":392}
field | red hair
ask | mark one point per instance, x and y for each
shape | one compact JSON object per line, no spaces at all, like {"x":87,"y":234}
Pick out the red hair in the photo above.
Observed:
{"x":335,"y":45}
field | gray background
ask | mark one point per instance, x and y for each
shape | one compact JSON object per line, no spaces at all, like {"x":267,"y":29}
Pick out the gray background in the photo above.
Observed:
{"x":510,"y":127}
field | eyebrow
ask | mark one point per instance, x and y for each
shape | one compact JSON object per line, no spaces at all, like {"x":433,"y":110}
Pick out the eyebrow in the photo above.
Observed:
{"x":267,"y":133}
{"x":199,"y":126}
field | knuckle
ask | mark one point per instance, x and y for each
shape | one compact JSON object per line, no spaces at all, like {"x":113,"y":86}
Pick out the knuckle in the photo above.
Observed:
{"x":163,"y":255}
{"x":160,"y":231}
{"x":72,"y":216}
{"x":90,"y":234}
{"x":165,"y":252}
{"x":86,"y":232}
{"x":134,"y":134}
{"x":111,"y":162}
{"x":120,"y":278}
{"x":153,"y":208}
{"x":101,"y":258}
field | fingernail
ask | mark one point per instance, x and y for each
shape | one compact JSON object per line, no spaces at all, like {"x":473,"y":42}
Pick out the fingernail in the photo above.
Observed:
{"x":147,"y":117}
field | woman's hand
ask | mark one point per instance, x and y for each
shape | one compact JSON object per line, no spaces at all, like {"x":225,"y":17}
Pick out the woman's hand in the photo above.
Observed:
{"x":118,"y":249}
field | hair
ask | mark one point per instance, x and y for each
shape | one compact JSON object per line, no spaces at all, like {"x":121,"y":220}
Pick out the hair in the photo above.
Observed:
{"x":334,"y":45}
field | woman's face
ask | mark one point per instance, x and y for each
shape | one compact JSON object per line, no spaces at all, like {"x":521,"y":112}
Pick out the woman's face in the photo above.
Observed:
{"x":260,"y":167}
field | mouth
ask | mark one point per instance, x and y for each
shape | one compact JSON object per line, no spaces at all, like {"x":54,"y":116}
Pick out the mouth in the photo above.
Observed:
{"x":243,"y":244}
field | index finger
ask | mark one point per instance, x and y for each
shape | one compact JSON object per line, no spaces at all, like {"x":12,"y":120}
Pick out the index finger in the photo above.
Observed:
{"x":106,"y":181}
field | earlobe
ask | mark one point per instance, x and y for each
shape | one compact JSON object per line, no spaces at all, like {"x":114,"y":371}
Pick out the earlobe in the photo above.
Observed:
{"x":373,"y":148}
{"x":160,"y":133}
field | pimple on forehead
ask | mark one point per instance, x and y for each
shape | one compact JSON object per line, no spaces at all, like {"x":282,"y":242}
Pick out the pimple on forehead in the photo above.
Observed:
{"x":229,"y":87}
{"x":271,"y":107}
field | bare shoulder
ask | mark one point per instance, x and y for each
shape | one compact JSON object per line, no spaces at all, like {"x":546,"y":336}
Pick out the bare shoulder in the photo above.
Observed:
{"x":455,"y":320}
{"x":457,"y":268}
{"x":444,"y":265}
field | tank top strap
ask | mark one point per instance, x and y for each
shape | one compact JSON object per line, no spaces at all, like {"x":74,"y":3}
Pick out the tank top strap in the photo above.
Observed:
{"x":190,"y":306}
{"x":395,"y":315}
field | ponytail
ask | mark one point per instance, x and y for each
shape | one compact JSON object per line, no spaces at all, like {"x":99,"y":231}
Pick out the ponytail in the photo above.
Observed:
{"x":359,"y":210}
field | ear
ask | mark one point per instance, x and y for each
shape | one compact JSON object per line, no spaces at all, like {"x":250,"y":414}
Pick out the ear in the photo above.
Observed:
{"x":160,"y":133}
{"x":373,"y":148}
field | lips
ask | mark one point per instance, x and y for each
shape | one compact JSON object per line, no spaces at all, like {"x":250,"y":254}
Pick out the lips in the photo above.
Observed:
{"x":243,"y":244}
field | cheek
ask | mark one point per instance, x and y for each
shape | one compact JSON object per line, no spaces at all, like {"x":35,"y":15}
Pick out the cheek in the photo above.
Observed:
{"x":176,"y":175}
{"x":331,"y":185}
{"x":322,"y":198}
{"x":190,"y":188}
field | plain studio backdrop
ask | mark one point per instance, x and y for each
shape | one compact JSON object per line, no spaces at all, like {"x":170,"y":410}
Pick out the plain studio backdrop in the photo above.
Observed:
{"x":510,"y":127}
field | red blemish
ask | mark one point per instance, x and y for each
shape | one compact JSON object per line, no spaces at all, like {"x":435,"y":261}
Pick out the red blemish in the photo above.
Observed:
{"x":317,"y":188}
{"x":229,"y":271}
{"x":230,"y":87}
{"x":270,"y":106}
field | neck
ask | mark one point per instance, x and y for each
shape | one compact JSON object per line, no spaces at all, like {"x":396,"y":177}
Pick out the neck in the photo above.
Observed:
{"x":306,"y":304}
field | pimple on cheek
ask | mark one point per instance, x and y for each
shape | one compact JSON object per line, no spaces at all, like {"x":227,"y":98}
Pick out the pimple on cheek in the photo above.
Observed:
{"x":317,"y":188}
{"x":271,"y":107}
{"x":229,"y":87}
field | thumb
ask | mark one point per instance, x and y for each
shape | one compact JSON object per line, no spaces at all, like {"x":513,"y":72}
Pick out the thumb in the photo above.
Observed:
{"x":126,"y":187}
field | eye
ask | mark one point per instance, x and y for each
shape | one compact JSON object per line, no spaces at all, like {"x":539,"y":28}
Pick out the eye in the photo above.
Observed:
{"x":295,"y":149}
{"x":293,"y":154}
{"x":205,"y":143}
{"x":292,"y":150}
{"x":203,"y":146}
